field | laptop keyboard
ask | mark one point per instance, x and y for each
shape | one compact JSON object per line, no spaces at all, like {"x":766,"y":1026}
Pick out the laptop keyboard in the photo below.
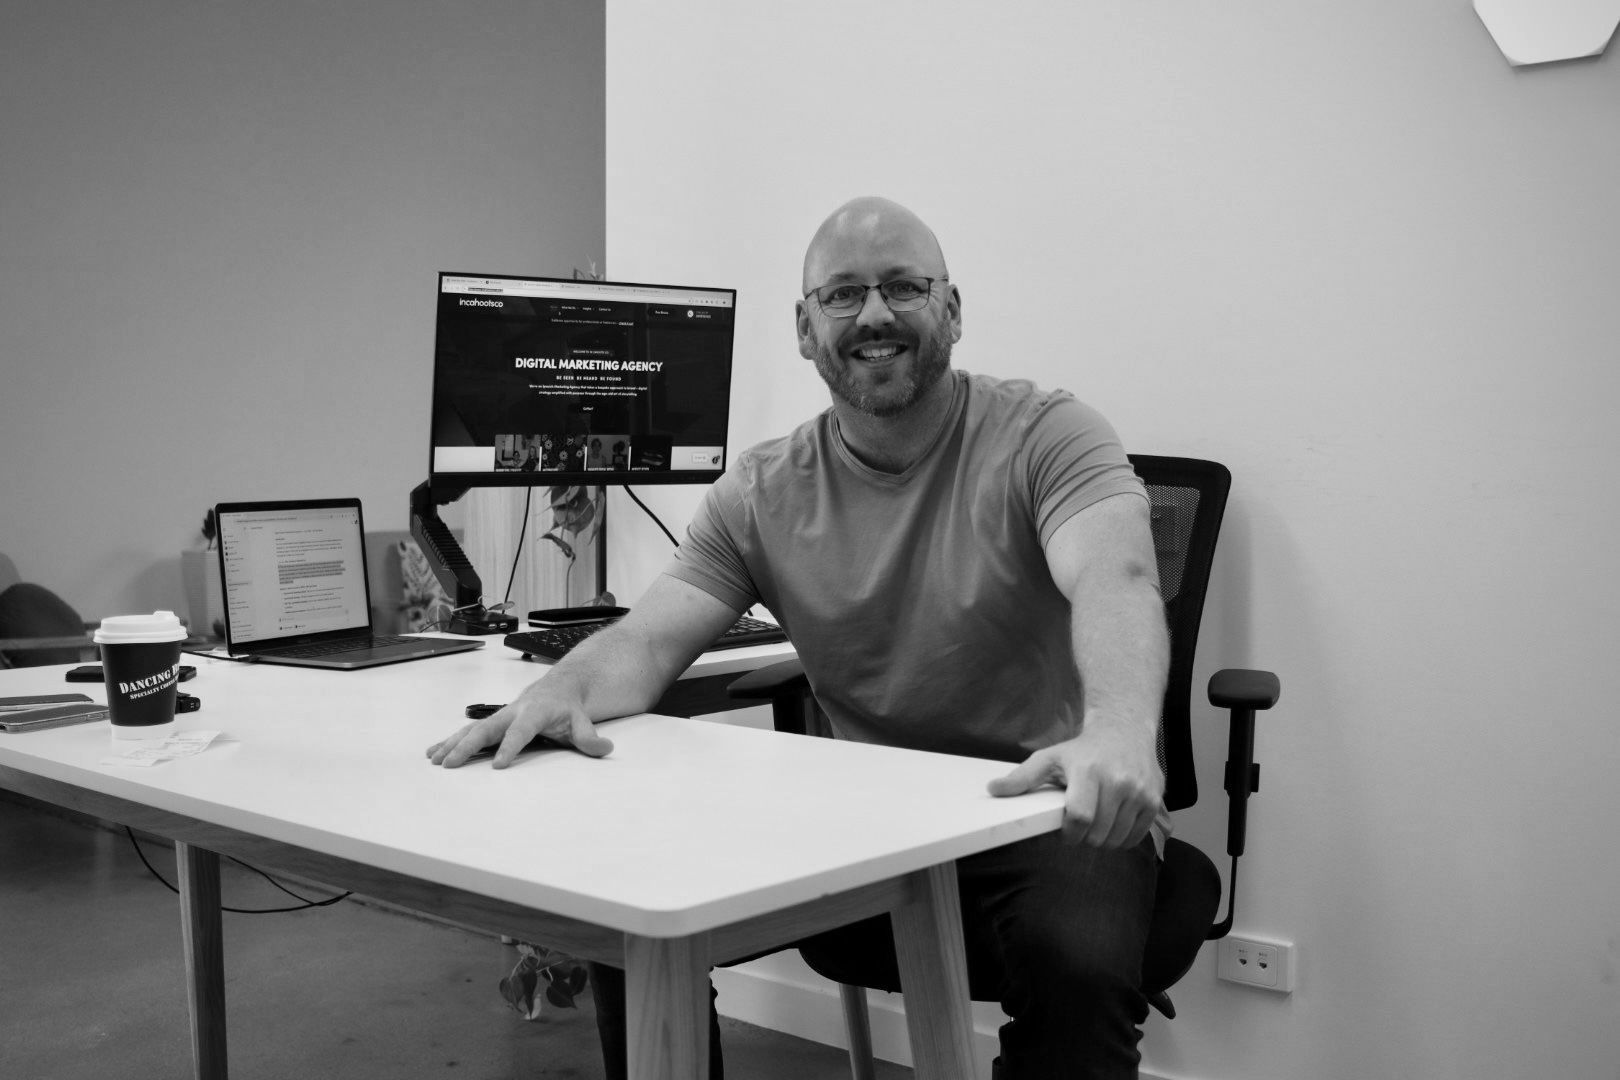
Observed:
{"x":555,"y":642}
{"x":332,"y":648}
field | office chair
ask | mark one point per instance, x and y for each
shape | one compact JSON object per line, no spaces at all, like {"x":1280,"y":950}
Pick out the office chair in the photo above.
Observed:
{"x":1188,"y":499}
{"x":37,"y":627}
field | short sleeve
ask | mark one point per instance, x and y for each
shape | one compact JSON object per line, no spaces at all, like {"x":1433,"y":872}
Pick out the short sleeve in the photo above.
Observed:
{"x":711,"y":557}
{"x":1073,"y":458}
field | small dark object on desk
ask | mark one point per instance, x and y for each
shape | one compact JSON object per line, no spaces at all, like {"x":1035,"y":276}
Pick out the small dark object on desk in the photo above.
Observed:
{"x":570,"y":616}
{"x":482,"y":622}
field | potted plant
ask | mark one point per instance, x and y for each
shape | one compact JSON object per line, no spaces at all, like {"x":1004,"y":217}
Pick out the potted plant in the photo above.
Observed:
{"x":199,"y":575}
{"x":562,"y":977}
{"x":576,"y":519}
{"x":576,"y":510}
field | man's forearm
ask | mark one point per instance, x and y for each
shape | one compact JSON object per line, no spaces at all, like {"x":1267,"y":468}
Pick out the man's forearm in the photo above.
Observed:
{"x":1122,"y":648}
{"x":625,"y":668}
{"x":612,"y":673}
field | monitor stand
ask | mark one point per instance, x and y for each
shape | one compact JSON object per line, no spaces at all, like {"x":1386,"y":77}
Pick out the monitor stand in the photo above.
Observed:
{"x":456,"y":574}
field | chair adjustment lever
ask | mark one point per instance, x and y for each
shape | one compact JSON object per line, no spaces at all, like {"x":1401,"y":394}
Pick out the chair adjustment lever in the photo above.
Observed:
{"x":1235,"y":779}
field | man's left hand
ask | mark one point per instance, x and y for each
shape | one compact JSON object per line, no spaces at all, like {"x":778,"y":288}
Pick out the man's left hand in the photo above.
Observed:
{"x":1113,"y":782}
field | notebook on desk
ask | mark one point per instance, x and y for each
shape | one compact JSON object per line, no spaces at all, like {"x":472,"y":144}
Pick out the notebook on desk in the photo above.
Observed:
{"x":295,"y":589}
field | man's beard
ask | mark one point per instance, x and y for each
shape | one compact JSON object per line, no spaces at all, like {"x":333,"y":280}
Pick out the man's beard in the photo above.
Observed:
{"x":930,"y":360}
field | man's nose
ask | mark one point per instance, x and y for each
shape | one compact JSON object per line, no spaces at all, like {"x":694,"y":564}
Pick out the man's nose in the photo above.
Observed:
{"x":874,"y":310}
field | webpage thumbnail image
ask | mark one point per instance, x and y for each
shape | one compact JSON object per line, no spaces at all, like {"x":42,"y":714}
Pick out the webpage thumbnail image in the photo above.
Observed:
{"x":559,"y":452}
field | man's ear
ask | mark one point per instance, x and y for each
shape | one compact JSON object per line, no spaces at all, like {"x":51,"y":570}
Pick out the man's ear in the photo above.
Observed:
{"x":801,"y":316}
{"x":953,"y":313}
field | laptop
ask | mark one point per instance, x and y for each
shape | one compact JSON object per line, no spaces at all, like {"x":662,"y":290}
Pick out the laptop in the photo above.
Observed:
{"x":295,"y":590}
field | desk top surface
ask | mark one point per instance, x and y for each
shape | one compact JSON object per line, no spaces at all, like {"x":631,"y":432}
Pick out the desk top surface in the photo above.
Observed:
{"x":688,"y":825}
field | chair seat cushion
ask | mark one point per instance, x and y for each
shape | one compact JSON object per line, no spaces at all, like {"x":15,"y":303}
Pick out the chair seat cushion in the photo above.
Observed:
{"x":1184,"y":907}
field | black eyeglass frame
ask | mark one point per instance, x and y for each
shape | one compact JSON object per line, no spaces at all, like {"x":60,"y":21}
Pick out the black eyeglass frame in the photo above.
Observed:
{"x":926,"y":295}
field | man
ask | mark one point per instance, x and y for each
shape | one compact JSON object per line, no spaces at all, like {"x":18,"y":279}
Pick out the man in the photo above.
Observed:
{"x":963,"y":565}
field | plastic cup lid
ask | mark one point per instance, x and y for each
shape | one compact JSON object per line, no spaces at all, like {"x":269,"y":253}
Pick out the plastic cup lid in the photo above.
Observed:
{"x":139,"y":629}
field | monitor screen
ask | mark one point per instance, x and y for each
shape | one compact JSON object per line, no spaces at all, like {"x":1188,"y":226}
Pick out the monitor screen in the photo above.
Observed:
{"x":558,"y":381}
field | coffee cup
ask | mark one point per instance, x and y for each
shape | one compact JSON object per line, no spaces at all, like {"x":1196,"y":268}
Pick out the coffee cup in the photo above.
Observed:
{"x":140,"y":662}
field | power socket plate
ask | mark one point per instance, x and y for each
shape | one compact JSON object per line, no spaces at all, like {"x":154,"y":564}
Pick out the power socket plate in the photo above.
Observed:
{"x":1254,"y":961}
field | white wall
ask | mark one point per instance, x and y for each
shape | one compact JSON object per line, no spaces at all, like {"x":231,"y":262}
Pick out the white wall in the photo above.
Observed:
{"x":219,"y":230}
{"x":1345,"y":249}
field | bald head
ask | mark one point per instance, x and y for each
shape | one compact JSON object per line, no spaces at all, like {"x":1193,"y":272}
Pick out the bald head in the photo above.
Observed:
{"x":872,"y":228}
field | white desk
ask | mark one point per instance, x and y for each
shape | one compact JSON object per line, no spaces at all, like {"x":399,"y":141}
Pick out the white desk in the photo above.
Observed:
{"x":694,"y":843}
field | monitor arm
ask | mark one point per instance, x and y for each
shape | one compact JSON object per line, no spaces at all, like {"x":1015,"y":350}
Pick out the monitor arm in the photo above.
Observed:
{"x":451,"y":565}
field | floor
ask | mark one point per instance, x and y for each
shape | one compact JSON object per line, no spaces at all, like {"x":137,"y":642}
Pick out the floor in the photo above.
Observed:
{"x":92,"y":981}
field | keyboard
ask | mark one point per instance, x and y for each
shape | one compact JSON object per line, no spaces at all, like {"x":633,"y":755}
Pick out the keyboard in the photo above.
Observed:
{"x":555,"y":642}
{"x":332,"y":648}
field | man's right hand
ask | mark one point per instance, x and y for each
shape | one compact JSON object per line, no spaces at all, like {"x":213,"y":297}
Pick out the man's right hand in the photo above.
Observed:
{"x":621,"y":671}
{"x":535,"y":712}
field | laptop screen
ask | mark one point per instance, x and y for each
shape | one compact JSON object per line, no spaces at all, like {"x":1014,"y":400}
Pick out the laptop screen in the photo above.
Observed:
{"x":292,"y":570}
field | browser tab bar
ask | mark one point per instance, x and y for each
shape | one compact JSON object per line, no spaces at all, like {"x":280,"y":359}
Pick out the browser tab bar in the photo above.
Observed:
{"x":585,"y":290}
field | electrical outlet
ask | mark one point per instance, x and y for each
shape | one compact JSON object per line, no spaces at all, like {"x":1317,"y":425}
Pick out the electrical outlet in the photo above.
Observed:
{"x":1256,"y":962}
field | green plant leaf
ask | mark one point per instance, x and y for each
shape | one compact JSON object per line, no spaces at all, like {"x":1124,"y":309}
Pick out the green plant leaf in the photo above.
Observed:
{"x":519,"y":991}
{"x":567,"y":549}
{"x":573,"y":509}
{"x":584,"y":516}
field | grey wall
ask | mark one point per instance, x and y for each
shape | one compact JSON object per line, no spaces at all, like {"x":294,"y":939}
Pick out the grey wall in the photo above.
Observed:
{"x":219,"y":230}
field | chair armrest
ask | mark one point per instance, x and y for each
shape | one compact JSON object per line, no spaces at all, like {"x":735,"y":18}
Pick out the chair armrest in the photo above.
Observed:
{"x":770,"y":682}
{"x":1243,"y":692}
{"x":1238,"y":688}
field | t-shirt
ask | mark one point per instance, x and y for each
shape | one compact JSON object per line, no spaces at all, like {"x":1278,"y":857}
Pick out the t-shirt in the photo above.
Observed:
{"x":920,"y":603}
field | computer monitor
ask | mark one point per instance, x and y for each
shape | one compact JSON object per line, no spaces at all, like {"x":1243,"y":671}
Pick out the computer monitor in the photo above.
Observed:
{"x":543,"y":381}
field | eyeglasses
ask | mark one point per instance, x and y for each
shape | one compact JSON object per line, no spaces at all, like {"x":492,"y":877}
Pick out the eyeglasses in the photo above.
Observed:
{"x":845,"y":299}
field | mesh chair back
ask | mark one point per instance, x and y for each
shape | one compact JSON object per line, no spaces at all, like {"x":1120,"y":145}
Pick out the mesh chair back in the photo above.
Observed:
{"x":1189,"y":499}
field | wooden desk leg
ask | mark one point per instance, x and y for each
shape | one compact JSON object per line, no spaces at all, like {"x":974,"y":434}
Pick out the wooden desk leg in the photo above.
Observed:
{"x":666,"y":982}
{"x":933,"y":976}
{"x":205,"y":958}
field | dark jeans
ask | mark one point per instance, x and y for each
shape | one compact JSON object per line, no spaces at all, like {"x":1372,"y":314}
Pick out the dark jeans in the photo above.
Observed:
{"x":1054,"y":931}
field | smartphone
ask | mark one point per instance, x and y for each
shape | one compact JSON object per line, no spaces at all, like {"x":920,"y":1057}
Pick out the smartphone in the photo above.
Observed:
{"x":34,"y":701}
{"x":92,"y":673}
{"x":39,"y":711}
{"x":575,"y":616}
